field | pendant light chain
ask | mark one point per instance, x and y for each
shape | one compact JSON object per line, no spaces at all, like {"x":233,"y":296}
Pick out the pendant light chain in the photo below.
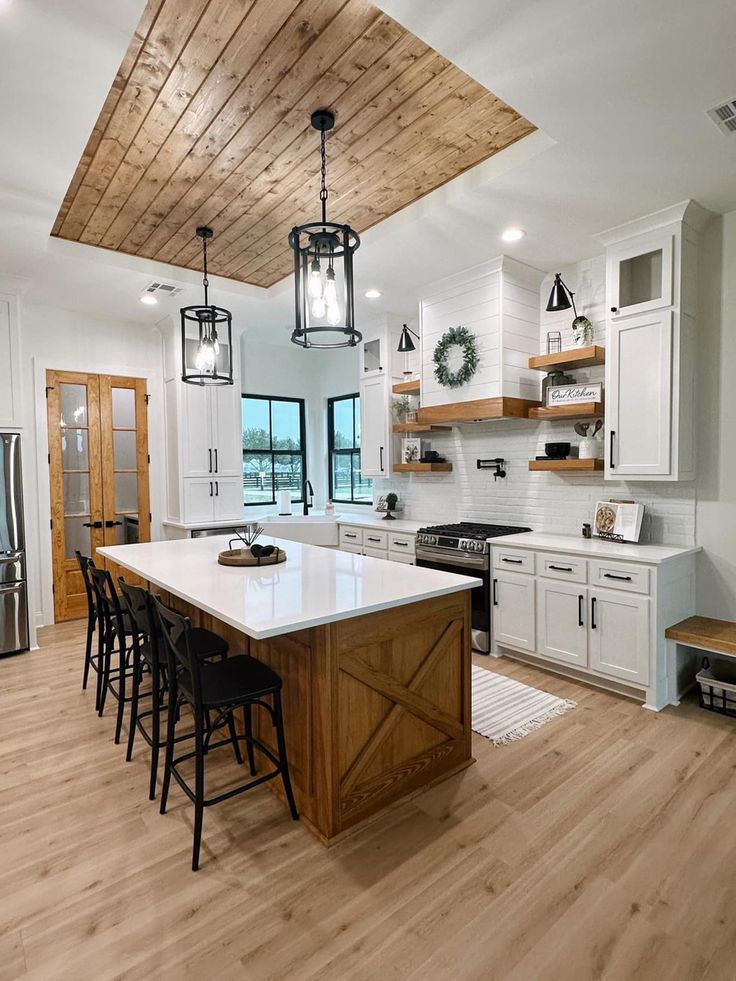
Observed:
{"x":205,"y":280}
{"x":323,"y":190}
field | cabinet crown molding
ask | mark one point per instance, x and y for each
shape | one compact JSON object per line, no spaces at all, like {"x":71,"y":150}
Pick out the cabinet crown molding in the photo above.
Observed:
{"x":687,"y":212}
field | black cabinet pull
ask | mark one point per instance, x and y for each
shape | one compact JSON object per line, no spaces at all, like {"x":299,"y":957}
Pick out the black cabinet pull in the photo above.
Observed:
{"x":403,"y":544}
{"x":210,"y":488}
{"x":381,"y":464}
{"x":613,"y":437}
{"x":374,"y":539}
{"x":561,"y":568}
{"x":610,"y":575}
{"x":614,"y":309}
{"x":495,"y":592}
{"x":217,"y":488}
{"x":513,"y":561}
{"x":210,"y":455}
{"x":593,"y":624}
{"x":217,"y":465}
{"x":348,"y":535}
{"x":91,"y":524}
{"x":581,"y":599}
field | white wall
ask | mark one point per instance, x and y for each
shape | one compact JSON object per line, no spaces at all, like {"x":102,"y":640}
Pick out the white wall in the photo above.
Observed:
{"x":315,"y":376}
{"x":716,"y":431}
{"x":70,"y":341}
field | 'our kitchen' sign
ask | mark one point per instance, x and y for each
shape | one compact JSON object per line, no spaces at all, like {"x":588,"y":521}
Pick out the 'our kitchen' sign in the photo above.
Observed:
{"x":574,"y":394}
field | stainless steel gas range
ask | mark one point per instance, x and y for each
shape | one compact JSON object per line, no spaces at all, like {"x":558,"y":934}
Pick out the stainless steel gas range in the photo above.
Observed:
{"x":463,"y":548}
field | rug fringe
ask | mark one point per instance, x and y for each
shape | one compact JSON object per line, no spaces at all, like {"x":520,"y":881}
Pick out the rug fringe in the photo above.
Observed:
{"x":523,"y":730}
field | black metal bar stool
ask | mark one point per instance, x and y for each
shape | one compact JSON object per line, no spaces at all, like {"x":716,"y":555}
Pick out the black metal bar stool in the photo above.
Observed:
{"x":115,"y":633}
{"x":90,"y":660}
{"x":148,"y":650}
{"x":219,"y":689}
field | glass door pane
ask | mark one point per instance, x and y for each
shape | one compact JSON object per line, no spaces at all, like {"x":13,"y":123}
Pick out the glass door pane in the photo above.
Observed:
{"x":125,"y":459}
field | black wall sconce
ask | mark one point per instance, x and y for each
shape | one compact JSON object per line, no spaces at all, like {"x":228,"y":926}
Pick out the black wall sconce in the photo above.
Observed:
{"x":496,"y":465}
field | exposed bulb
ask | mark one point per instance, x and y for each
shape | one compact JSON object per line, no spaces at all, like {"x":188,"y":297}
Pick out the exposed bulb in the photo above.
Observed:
{"x":318,"y":307}
{"x":330,"y":288}
{"x":205,"y":357}
{"x":333,"y":314}
{"x":315,"y":280}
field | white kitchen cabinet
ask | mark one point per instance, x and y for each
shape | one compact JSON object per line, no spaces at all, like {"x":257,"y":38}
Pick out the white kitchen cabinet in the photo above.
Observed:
{"x":639,"y":395}
{"x":375,"y":553}
{"x":639,"y":274}
{"x":10,"y":408}
{"x":619,"y":635}
{"x":562,"y":628}
{"x":212,"y":431}
{"x":355,"y":549}
{"x":514,"y":610}
{"x":212,"y":498}
{"x":375,"y":439}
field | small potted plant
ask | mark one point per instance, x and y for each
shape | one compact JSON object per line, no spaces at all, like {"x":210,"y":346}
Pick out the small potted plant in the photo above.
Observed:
{"x":391,"y":501}
{"x":401,"y":408}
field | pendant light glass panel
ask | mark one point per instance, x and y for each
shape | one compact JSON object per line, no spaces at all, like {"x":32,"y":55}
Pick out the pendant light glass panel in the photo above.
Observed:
{"x":206,"y":336}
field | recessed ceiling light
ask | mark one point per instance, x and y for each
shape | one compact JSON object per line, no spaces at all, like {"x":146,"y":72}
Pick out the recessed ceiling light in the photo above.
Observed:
{"x":149,"y":300}
{"x":373,"y":294}
{"x":512,"y":234}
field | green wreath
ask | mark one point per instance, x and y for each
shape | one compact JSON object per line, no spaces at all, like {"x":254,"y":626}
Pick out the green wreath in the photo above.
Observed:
{"x":463,"y":338}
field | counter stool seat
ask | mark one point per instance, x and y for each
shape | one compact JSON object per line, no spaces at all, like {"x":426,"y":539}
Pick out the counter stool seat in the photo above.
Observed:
{"x":204,"y":644}
{"x":238,"y":678}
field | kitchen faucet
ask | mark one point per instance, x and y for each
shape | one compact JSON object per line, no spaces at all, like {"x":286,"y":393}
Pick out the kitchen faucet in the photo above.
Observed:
{"x":308,"y":489}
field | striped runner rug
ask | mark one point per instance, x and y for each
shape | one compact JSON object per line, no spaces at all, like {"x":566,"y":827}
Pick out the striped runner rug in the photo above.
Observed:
{"x":504,"y":710}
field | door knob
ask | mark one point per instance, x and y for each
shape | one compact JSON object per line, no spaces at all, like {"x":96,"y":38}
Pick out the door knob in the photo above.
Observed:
{"x":91,"y":524}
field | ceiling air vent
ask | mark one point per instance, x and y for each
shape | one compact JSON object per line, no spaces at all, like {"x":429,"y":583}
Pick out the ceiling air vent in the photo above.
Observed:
{"x":167,"y":289}
{"x":724,"y":116}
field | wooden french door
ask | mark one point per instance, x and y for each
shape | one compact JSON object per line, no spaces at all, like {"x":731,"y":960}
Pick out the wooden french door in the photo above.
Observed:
{"x":98,"y":462}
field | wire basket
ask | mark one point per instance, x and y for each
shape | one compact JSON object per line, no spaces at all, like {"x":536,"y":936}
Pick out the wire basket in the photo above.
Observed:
{"x":717,"y":687}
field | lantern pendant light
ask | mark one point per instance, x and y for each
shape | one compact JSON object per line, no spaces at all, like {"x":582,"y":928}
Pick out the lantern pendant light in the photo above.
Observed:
{"x":202,"y":328}
{"x":323,"y":270}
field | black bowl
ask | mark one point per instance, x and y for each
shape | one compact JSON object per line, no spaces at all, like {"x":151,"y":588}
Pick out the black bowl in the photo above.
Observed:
{"x":557,"y":451}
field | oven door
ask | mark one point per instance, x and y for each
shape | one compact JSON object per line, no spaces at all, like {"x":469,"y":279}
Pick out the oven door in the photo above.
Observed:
{"x":462,"y":563}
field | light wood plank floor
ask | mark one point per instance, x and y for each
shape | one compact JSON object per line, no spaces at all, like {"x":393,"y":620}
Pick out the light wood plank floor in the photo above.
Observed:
{"x":601,"y":846}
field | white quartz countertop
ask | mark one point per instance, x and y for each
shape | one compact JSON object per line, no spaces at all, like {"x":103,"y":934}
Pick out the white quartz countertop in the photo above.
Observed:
{"x":594,"y":548}
{"x":370,"y":520}
{"x":373,"y":520}
{"x":314,"y":586}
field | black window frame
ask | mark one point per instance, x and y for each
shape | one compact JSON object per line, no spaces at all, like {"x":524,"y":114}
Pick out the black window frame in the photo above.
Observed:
{"x":276,"y":453}
{"x":342,"y":451}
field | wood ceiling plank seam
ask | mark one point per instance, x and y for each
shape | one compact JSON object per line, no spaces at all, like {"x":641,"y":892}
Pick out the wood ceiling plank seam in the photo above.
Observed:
{"x":347,"y":170}
{"x":343,"y":204}
{"x":120,"y":81}
{"x":293,"y":154}
{"x":154,"y":48}
{"x":297,"y":203}
{"x":257,"y":213}
{"x":155,"y":177}
{"x":148,"y":233}
{"x":122,"y":145}
{"x":349,"y":23}
{"x":179,"y":81}
{"x":450,"y":171}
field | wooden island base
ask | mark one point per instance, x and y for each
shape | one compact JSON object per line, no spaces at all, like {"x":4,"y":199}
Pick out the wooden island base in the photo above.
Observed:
{"x":376,"y":707}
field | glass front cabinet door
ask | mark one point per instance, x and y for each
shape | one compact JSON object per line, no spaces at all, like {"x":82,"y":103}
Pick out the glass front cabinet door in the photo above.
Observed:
{"x":640,"y":274}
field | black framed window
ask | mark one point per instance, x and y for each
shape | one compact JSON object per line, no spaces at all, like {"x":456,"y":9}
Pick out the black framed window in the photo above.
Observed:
{"x":347,"y":484}
{"x":274,"y":448}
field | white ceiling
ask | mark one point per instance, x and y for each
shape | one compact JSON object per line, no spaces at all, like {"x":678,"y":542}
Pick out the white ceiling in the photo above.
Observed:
{"x":618,"y":91}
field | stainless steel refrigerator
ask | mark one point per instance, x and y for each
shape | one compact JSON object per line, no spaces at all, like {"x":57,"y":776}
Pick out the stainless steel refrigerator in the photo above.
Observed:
{"x":13,"y":586}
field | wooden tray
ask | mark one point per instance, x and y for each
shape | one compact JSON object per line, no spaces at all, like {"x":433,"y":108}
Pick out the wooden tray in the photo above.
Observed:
{"x":243,"y":557}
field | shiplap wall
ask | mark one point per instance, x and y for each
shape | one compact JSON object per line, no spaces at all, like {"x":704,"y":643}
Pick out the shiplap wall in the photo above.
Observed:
{"x":498,"y":302}
{"x":542,"y":501}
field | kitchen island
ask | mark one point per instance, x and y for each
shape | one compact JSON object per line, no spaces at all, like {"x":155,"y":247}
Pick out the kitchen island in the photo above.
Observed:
{"x":375,"y":661}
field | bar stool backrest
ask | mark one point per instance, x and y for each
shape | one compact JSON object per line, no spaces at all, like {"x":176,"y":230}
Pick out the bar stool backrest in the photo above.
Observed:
{"x":185,"y":668}
{"x":138,"y":603}
{"x":108,"y":602}
{"x":85,"y":564}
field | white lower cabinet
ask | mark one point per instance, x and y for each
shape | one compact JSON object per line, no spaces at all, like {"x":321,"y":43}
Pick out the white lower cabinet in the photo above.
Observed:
{"x":562,"y":631}
{"x":212,"y":499}
{"x":514,"y":610}
{"x":377,"y":543}
{"x":619,"y":635}
{"x":375,"y":553}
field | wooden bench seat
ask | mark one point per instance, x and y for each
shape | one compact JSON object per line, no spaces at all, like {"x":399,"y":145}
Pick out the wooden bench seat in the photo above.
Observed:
{"x":706,"y":633}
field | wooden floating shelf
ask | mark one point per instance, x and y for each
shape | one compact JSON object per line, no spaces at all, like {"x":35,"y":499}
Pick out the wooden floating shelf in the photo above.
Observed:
{"x":407,"y":388}
{"x":579,"y":357}
{"x":419,"y":427}
{"x":477,"y":410}
{"x":566,"y":466}
{"x":583,"y":410}
{"x":423,"y":467}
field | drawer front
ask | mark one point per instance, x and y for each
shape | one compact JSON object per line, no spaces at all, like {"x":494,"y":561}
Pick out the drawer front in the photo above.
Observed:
{"x":375,"y":553}
{"x":355,"y":549}
{"x":402,"y":544}
{"x":375,"y":539}
{"x":564,"y":567}
{"x":619,"y":575}
{"x":513,"y":560}
{"x":405,"y":559}
{"x":350,"y":535}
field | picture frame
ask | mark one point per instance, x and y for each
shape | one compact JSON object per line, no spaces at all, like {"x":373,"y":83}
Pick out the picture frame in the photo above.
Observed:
{"x":574,"y":394}
{"x":411,"y":449}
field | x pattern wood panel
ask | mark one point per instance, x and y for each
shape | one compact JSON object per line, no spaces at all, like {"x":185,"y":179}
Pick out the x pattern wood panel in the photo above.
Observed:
{"x":207,"y":121}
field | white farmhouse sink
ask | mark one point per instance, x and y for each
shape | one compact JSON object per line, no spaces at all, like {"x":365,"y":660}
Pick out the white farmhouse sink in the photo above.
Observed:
{"x":311,"y":529}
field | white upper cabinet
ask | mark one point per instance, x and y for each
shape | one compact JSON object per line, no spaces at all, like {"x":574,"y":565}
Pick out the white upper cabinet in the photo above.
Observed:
{"x":9,"y":363}
{"x":651,"y":269}
{"x":375,"y":440}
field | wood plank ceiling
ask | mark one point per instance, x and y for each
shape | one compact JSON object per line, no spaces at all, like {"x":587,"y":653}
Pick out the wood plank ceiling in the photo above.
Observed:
{"x":207,"y":122}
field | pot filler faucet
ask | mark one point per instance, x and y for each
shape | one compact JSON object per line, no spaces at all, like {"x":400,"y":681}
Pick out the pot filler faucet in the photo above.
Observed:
{"x":308,"y":489}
